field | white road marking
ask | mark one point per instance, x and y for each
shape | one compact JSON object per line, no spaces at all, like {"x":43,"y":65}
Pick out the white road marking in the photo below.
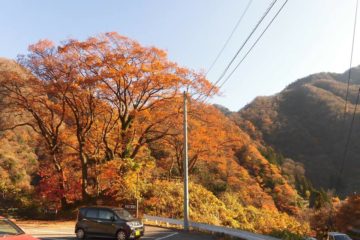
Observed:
{"x":40,"y":231}
{"x":43,"y":231}
{"x":170,"y":235}
{"x":51,"y":238}
{"x":64,"y":233}
{"x":44,"y":235}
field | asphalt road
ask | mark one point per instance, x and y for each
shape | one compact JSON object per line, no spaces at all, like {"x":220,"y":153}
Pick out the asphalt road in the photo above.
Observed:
{"x":65,"y":231}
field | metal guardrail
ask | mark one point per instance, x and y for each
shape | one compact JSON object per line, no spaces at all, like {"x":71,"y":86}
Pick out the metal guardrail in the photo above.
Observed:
{"x":211,"y":228}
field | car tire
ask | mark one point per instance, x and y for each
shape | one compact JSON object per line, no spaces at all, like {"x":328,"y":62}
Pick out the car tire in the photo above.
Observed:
{"x":80,"y":234}
{"x":121,"y":235}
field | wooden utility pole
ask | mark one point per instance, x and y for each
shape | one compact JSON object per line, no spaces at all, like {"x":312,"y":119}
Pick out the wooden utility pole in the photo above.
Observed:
{"x":185,"y":168}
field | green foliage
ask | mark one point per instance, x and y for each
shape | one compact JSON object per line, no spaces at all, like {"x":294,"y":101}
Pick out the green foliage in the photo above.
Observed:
{"x":319,"y":199}
{"x":272,"y":156}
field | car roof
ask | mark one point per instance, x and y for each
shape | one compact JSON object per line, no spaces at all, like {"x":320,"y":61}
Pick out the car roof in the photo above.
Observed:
{"x":102,"y":207}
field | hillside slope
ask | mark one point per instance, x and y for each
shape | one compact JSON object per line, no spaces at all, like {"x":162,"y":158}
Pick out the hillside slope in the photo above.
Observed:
{"x":18,"y":160}
{"x":306,"y":122}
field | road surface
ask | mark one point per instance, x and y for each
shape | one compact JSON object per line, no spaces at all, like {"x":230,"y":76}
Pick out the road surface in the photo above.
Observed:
{"x":65,"y":231}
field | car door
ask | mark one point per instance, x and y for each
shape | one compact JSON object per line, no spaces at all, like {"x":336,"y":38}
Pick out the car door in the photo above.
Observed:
{"x":90,"y":221}
{"x":106,"y":223}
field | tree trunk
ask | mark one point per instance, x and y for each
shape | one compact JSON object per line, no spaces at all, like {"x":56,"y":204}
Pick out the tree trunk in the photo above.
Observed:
{"x":84,"y":173}
{"x":62,"y":182}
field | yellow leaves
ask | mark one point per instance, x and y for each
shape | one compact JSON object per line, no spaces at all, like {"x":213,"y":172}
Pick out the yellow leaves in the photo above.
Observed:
{"x":166,"y":200}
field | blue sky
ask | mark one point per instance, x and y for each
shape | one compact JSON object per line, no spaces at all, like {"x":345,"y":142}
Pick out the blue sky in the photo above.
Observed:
{"x":309,"y":36}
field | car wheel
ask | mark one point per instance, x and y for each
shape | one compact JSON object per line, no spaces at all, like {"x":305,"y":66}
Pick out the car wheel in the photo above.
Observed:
{"x":121,"y":235}
{"x":80,"y":233}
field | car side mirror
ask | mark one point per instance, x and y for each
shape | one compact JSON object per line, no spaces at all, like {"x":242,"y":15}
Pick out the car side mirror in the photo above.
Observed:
{"x":112,"y":218}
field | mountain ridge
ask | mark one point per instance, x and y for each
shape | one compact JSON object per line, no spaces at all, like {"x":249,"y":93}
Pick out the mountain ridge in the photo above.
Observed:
{"x":305,"y":122}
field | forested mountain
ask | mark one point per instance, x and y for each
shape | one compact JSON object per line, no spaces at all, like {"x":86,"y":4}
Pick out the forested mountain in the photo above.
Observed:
{"x":102,"y":118}
{"x":307,"y":122}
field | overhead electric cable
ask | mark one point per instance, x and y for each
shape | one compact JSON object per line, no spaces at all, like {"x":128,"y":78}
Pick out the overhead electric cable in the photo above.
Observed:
{"x":344,"y":158}
{"x":351,"y":58}
{"x":254,"y":44}
{"x":231,"y":35}
{"x":348,"y":140}
{"x":242,"y":46}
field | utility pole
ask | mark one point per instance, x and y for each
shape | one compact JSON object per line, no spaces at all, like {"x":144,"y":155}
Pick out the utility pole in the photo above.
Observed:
{"x":137,"y":195}
{"x":185,"y":169}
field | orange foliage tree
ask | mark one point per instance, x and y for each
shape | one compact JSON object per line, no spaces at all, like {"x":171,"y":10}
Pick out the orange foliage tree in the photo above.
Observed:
{"x":348,"y":215}
{"x":210,"y":139}
{"x":107,"y":91}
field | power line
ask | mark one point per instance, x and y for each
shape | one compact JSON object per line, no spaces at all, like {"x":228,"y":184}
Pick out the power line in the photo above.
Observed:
{"x":348,"y":140}
{"x":346,"y":103}
{"x":229,"y":38}
{"x":254,"y":44}
{"x":246,"y":40}
{"x":351,"y":58}
{"x":242,"y":46}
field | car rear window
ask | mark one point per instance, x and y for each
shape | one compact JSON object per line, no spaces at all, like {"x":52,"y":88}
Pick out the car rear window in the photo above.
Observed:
{"x":92,"y":213}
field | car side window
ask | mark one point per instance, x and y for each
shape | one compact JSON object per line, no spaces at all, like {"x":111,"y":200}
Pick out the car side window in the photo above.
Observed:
{"x":106,"y":214}
{"x":81,"y":214}
{"x":92,"y":213}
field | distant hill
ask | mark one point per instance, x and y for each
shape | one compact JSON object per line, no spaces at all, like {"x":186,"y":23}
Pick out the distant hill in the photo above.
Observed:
{"x":306,"y":122}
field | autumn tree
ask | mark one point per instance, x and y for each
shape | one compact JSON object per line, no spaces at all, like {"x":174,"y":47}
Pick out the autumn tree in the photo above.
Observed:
{"x":136,"y":81}
{"x":63,"y":69}
{"x":322,"y":220}
{"x":129,"y":80}
{"x":348,"y":215}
